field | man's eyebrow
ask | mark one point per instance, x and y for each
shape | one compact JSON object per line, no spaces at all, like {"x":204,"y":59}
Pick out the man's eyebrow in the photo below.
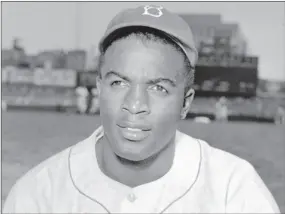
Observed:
{"x":161,"y":79}
{"x":110,"y":73}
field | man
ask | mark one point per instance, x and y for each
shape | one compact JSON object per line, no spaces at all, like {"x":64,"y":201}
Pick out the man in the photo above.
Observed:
{"x":82,"y":95}
{"x":94,"y":106}
{"x":137,"y":161}
{"x":280,"y":115}
{"x":222,"y":109}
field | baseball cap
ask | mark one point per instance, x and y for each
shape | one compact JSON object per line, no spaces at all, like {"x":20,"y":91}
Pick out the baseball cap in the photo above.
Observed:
{"x":158,"y":19}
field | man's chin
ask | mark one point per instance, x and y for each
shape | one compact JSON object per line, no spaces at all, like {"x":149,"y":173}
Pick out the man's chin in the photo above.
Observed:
{"x":132,"y":159}
{"x":131,"y":156}
{"x":131,"y":150}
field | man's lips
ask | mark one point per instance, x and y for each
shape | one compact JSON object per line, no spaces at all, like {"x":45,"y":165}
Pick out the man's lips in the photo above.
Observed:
{"x":134,"y":126}
{"x":134,"y":131}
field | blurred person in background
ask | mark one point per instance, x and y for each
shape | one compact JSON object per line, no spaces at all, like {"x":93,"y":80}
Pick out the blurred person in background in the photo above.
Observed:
{"x":280,"y":115}
{"x":94,"y":108}
{"x":82,"y":99}
{"x":221,"y":109}
{"x":4,"y":105}
{"x":259,"y":107}
{"x":138,"y":161}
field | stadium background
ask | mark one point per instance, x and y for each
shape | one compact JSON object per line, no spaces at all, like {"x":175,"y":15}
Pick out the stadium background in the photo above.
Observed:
{"x":49,"y":79}
{"x":48,"y":82}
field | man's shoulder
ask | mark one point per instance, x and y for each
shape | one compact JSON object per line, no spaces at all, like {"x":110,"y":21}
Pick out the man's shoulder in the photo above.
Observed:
{"x":32,"y":187}
{"x":232,"y":177}
{"x":41,"y":174}
{"x":43,"y":182}
{"x":52,"y":169}
{"x":215,"y":158}
{"x":57,"y":166}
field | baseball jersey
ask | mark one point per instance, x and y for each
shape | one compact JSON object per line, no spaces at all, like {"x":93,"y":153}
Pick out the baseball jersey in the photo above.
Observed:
{"x":202,"y":179}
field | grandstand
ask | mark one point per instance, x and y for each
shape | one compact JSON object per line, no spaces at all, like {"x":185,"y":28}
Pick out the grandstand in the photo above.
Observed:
{"x":232,"y":76}
{"x":239,"y":103}
{"x":17,"y":95}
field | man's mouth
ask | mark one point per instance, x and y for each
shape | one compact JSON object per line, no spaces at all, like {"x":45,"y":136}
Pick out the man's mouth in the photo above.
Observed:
{"x":134,"y":132}
{"x":134,"y":129}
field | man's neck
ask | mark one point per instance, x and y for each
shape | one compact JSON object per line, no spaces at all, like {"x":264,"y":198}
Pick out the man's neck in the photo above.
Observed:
{"x":134,"y":173}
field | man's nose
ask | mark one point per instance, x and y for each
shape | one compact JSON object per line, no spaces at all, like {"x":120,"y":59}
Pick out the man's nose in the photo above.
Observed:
{"x":136,"y":101}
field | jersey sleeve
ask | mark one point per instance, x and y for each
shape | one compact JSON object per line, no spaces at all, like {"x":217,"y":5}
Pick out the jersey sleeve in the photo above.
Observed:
{"x":21,"y":200}
{"x":247,"y":193}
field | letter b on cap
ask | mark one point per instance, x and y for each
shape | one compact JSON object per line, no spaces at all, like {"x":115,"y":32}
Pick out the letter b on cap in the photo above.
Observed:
{"x":154,"y":11}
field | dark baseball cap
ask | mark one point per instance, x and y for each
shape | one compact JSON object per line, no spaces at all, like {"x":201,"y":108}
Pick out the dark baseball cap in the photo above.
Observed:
{"x":158,"y":19}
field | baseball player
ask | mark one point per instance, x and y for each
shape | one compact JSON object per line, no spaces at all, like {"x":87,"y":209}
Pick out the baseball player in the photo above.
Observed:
{"x":94,"y":108}
{"x":82,"y":99}
{"x":221,"y":110}
{"x":137,"y":161}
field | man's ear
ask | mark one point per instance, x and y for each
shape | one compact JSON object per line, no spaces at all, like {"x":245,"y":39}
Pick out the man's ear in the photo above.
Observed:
{"x":188,"y":98}
{"x":98,"y":84}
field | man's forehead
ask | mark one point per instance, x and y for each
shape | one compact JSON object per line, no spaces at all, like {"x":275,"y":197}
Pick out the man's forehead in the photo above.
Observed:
{"x":127,"y":50}
{"x":141,"y":40}
{"x":135,"y":59}
{"x":150,"y":74}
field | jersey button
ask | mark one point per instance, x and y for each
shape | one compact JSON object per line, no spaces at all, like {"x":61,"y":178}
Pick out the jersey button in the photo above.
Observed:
{"x":132,"y":197}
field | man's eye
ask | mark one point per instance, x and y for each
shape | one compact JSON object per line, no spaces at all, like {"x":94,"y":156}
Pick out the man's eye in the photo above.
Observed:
{"x":118,"y":83}
{"x":159,"y":88}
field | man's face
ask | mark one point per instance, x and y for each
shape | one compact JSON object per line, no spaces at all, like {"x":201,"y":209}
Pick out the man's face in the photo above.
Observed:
{"x":141,"y":97}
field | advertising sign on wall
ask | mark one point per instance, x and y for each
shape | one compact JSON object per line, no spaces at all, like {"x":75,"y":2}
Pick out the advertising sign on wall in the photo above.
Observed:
{"x":64,"y":77}
{"x":5,"y":74}
{"x":42,"y":77}
{"x":227,"y":61}
{"x":57,"y":77}
{"x":21,"y":75}
{"x":227,"y":80}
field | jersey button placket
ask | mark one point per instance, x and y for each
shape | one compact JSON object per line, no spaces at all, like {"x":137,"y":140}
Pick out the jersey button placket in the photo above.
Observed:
{"x":129,"y":203}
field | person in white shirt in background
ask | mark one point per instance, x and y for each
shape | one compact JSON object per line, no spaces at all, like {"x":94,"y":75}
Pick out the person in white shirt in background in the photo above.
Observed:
{"x":82,"y":99}
{"x":137,"y":161}
{"x":222,"y":109}
{"x":280,"y":116}
{"x":94,"y":108}
{"x":4,"y":106}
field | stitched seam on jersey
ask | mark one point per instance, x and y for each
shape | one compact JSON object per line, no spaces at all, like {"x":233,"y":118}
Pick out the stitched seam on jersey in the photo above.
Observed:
{"x":82,"y":193}
{"x":196,"y":178}
{"x":227,"y":190}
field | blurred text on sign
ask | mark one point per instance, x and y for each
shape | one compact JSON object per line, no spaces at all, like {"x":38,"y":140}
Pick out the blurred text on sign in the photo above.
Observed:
{"x":55,"y":77}
{"x":18,"y":75}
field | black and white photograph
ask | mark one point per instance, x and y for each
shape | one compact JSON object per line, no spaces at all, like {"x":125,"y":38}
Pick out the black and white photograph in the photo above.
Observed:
{"x":142,"y":107}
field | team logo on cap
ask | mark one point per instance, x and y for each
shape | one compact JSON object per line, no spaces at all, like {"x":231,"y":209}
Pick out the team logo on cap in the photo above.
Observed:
{"x":154,"y":11}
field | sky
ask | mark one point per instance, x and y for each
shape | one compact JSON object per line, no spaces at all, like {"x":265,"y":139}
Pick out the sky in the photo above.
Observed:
{"x":68,"y":25}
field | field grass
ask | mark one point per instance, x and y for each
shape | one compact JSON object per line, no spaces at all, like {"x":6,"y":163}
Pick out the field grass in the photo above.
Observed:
{"x":30,"y":137}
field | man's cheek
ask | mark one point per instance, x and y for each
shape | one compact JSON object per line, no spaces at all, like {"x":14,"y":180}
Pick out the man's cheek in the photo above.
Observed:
{"x":165,"y":121}
{"x":168,"y":112}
